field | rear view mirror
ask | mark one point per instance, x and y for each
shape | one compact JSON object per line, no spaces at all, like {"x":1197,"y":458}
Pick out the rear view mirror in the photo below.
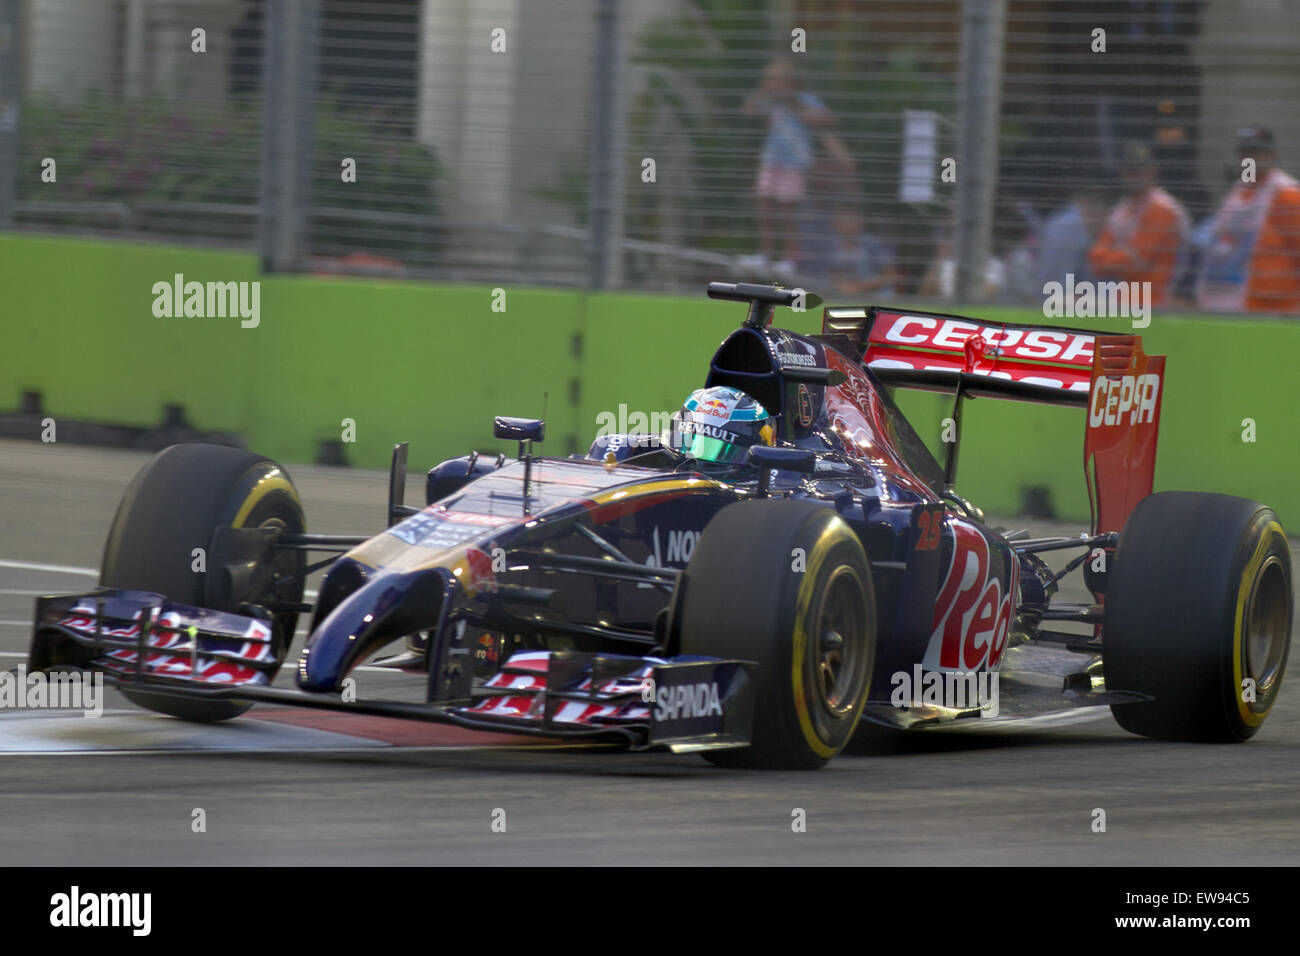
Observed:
{"x":765,"y":458}
{"x":787,"y":459}
{"x":519,"y":429}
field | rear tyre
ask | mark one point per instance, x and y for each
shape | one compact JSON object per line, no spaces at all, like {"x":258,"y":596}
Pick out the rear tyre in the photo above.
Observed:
{"x":173,"y":506}
{"x":785,"y":584}
{"x":1198,"y":616}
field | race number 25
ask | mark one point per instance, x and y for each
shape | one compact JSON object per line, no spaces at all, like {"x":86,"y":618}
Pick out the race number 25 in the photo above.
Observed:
{"x":929,"y":527}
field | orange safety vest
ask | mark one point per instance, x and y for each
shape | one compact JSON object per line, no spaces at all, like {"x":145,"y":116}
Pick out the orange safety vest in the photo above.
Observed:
{"x":1142,"y":242}
{"x":1275,"y":266}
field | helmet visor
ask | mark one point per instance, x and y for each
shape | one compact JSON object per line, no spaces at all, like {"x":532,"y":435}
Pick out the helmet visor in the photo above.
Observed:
{"x":708,"y":448}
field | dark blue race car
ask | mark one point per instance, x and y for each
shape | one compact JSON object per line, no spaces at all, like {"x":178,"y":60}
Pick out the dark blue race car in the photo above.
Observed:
{"x":787,"y":559}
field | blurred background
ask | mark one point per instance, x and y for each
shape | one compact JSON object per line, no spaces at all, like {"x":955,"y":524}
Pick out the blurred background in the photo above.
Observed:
{"x":394,"y":172}
{"x":524,"y":158}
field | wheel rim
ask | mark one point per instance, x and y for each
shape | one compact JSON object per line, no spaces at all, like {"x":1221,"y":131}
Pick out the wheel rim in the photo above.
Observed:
{"x":285,"y":565}
{"x":1266,"y":625}
{"x":840,"y":629}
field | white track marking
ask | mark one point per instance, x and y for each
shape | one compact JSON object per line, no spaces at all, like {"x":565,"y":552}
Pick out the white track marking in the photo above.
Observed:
{"x":253,"y":752}
{"x":119,"y":732}
{"x":52,"y":568}
{"x":68,"y":569}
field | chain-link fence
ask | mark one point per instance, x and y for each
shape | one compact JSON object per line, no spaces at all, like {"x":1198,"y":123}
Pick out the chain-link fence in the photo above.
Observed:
{"x":943,"y":149}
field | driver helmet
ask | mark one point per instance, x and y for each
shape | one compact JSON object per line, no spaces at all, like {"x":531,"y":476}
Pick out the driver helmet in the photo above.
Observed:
{"x":719,"y":424}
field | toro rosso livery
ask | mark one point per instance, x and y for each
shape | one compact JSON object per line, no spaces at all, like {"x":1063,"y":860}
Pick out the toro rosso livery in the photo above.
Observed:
{"x":787,"y":560}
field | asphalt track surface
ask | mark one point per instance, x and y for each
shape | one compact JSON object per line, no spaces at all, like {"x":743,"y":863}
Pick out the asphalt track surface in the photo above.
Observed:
{"x":316,"y":789}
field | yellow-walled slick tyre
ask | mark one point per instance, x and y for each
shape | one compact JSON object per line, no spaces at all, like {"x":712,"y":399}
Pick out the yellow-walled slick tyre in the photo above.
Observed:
{"x":1198,"y":616}
{"x":172,"y":507}
{"x":785,"y":584}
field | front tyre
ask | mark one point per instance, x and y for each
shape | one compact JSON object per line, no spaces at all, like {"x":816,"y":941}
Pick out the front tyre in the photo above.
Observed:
{"x":1198,"y":616}
{"x":170,"y":509}
{"x":785,"y":584}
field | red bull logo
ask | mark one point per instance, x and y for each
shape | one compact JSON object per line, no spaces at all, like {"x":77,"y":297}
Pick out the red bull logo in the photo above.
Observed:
{"x":486,"y":652}
{"x":480,"y":576}
{"x":714,"y":408}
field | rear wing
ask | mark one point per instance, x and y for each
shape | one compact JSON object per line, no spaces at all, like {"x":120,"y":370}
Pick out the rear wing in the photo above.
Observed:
{"x":935,"y":352}
{"x":1109,"y":375}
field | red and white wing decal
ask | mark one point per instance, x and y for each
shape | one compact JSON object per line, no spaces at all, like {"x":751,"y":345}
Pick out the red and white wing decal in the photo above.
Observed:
{"x":927,"y":350}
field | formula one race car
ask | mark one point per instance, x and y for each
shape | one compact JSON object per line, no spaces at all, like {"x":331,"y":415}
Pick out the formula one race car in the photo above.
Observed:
{"x":788,"y":559}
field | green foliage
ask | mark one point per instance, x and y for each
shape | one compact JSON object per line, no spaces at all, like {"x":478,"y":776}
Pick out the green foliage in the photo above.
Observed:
{"x":395,"y":173}
{"x":699,"y":66}
{"x":151,"y":153}
{"x":110,"y":150}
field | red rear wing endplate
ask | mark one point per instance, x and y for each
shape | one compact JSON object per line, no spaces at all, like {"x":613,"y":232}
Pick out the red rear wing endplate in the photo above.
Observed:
{"x":1119,"y":446}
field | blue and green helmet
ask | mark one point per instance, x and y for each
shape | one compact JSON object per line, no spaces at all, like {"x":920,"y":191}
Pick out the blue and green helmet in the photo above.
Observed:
{"x":719,"y":424}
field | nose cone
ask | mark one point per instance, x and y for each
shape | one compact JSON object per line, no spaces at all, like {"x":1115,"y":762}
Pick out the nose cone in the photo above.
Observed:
{"x":381,"y":611}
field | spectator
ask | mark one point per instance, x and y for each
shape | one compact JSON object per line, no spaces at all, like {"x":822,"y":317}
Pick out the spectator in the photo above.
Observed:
{"x":1251,"y":259}
{"x":1145,"y":232}
{"x":859,"y":264}
{"x":789,"y":150}
{"x":1020,"y":260}
{"x":1067,"y":236}
{"x":940,"y":278}
{"x":831,"y":184}
{"x":1015,"y":244}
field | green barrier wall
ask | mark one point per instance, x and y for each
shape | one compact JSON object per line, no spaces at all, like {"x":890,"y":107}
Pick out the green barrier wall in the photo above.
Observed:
{"x":404,"y":360}
{"x":432,"y":363}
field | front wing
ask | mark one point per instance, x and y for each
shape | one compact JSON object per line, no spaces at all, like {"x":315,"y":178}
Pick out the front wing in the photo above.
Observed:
{"x":142,"y":641}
